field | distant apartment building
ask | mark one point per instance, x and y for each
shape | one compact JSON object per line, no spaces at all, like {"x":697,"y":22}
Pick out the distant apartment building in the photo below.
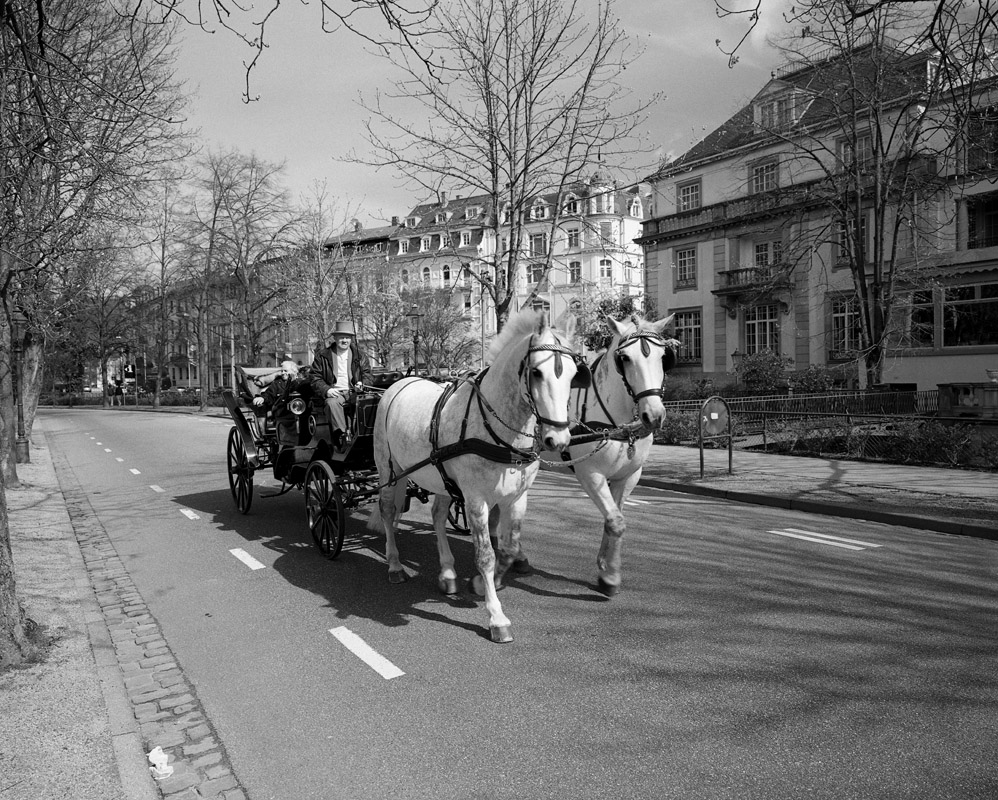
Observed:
{"x":748,"y":245}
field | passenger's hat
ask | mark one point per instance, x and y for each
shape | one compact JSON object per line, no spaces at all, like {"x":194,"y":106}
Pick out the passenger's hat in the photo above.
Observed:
{"x":344,"y":328}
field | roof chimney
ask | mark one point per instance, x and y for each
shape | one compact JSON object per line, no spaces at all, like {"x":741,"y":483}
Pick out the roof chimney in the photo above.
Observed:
{"x":357,"y":227}
{"x":442,"y":197}
{"x":395,"y":222}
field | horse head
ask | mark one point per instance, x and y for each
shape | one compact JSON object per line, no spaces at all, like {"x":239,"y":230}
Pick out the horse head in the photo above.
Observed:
{"x":549,"y":370}
{"x":642,"y":356}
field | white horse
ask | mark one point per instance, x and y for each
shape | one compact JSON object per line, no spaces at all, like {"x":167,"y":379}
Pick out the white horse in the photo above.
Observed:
{"x":475,"y":439}
{"x":624,"y":400}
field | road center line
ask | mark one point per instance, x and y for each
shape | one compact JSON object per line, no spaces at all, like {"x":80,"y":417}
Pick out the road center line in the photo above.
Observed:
{"x":816,"y":539}
{"x":107,"y":449}
{"x":134,"y":471}
{"x":352,"y":642}
{"x":247,"y":559}
{"x":836,"y":538}
{"x":119,"y":459}
{"x":189,"y":514}
{"x":155,"y":488}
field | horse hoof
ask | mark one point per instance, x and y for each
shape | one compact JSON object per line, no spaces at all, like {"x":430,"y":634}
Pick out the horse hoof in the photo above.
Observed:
{"x":396,"y":576}
{"x":521,"y":566}
{"x":447,"y":586}
{"x":471,"y":587}
{"x":609,"y":589}
{"x":501,"y":633}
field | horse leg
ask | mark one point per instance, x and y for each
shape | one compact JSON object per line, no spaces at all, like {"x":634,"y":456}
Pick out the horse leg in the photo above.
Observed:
{"x":510,"y":552}
{"x":608,"y":562}
{"x":390,"y":502}
{"x":521,"y":565}
{"x":500,"y":628}
{"x":447,"y":580}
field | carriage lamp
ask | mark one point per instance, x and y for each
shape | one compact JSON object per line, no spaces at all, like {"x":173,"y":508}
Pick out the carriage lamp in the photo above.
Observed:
{"x":18,"y":327}
{"x":414,"y":313}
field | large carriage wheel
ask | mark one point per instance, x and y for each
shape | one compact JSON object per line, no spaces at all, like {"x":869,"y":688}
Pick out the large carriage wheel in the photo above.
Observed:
{"x":457,"y":518}
{"x":240,"y":472}
{"x":324,"y":507}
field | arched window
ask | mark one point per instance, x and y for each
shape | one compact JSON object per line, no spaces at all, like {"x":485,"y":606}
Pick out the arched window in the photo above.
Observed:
{"x":426,"y":274}
{"x":605,"y":268}
{"x":446,"y":275}
{"x":404,"y":274}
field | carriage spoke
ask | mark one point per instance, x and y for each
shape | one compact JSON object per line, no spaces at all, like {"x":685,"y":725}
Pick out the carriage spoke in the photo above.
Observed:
{"x":324,"y":508}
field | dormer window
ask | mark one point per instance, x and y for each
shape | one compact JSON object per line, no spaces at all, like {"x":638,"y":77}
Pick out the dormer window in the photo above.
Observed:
{"x":424,"y":244}
{"x":634,"y":208}
{"x":440,"y":218}
{"x":540,"y":211}
{"x":779,"y":111}
{"x":572,"y":206}
{"x":472,"y":212}
{"x":412,"y":222}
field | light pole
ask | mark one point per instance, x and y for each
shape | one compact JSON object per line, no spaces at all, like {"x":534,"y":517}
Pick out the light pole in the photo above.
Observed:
{"x":22,"y":448}
{"x":414,"y":313}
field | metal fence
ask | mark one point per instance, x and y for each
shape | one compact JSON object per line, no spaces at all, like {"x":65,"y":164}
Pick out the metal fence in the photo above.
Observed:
{"x":898,"y":427}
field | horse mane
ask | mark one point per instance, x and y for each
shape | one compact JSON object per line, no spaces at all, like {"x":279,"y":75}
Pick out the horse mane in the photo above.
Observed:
{"x":522,"y":323}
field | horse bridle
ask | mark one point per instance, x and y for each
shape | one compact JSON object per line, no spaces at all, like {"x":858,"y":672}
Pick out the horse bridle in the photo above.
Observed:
{"x":644,"y":337}
{"x":581,"y":380}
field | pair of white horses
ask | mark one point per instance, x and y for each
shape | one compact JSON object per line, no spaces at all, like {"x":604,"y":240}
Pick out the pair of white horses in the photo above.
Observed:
{"x":480,"y":440}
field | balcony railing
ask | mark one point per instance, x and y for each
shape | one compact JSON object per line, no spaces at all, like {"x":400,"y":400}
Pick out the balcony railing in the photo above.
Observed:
{"x":749,"y":277}
{"x":731,"y":210}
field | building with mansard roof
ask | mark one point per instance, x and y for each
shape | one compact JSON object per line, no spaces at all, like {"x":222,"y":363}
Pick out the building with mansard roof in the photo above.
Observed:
{"x":748,"y":244}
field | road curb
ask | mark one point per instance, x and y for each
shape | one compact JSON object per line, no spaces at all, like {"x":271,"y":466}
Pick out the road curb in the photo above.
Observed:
{"x":829,"y":509}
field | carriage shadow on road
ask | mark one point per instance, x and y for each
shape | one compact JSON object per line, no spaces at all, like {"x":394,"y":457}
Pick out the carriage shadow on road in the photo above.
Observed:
{"x":355,"y":584}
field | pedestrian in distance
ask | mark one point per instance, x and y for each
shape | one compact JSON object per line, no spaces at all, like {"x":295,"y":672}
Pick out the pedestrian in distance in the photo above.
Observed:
{"x":118,"y":397}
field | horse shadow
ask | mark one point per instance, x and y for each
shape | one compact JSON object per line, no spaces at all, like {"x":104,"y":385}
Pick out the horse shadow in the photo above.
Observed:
{"x":355,"y":584}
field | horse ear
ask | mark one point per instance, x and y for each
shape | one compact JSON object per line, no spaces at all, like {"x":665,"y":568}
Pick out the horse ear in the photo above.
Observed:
{"x":671,"y":355}
{"x":662,"y":324}
{"x":614,"y":325}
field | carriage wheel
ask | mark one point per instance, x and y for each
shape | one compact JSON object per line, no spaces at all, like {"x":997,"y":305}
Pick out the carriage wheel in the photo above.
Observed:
{"x":325,"y":509}
{"x":240,"y":473}
{"x":456,"y":517}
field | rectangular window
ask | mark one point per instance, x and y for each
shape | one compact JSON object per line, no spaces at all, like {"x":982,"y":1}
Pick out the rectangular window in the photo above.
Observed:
{"x":575,"y":271}
{"x":921,"y":328}
{"x":465,"y":238}
{"x":982,"y":140}
{"x":606,"y":268}
{"x":763,"y":177}
{"x":689,"y":331}
{"x":852,"y":153}
{"x":852,"y":248}
{"x":572,"y":207}
{"x":970,"y":315}
{"x":574,"y":238}
{"x":404,"y":246}
{"x":688,"y":196}
{"x":424,"y":244}
{"x":768,"y":254}
{"x":845,"y":341}
{"x":775,"y":114}
{"x":538,"y":244}
{"x":982,"y":223}
{"x":762,"y":329}
{"x":606,"y":234}
{"x":686,"y":268}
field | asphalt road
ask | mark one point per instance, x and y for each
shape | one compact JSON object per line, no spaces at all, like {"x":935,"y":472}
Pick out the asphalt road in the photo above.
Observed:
{"x":741,"y":660}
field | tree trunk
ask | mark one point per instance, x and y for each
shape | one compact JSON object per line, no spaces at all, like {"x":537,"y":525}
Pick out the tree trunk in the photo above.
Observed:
{"x":32,"y":376}
{"x":15,"y":646}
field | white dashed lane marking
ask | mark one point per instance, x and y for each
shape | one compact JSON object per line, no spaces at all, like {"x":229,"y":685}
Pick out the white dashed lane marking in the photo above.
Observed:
{"x":352,"y":642}
{"x":824,"y":538}
{"x":189,"y":514}
{"x":119,"y":460}
{"x":134,"y":471}
{"x":155,"y":488}
{"x":247,"y":559}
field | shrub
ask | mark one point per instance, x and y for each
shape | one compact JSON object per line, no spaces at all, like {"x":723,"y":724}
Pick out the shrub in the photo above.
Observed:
{"x":763,"y":372}
{"x":677,"y":427}
{"x":816,"y":379}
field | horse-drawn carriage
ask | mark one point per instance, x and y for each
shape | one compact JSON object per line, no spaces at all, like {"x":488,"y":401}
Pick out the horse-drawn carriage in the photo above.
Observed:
{"x":295,"y":441}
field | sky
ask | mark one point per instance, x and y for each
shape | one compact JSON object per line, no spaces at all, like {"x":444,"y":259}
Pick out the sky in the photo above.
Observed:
{"x":308,"y":83}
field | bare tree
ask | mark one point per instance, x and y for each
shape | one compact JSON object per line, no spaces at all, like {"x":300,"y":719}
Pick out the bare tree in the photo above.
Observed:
{"x":87,"y":104}
{"x":527,"y":102}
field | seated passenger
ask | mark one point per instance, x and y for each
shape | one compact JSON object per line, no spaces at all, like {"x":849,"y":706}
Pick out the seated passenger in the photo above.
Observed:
{"x":335,"y":371}
{"x":275,"y":398}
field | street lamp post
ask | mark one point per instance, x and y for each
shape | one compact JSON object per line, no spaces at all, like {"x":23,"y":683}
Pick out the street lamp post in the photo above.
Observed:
{"x":414,"y":313}
{"x":22,"y":448}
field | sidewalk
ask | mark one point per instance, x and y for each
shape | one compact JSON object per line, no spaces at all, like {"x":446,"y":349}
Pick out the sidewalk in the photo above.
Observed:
{"x":67,"y":726}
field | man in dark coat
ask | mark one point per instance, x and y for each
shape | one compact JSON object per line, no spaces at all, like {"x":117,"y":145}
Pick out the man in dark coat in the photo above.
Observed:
{"x":275,"y":398}
{"x":336,"y":370}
